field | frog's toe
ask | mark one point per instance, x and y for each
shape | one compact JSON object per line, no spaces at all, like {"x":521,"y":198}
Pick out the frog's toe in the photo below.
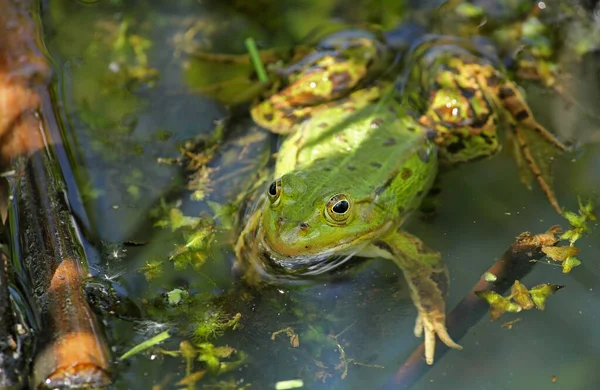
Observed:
{"x":433,"y":327}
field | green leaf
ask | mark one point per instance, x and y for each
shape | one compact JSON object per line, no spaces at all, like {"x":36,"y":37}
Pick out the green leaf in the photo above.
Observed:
{"x":498,"y":304}
{"x":521,"y":296}
{"x":540,"y":292}
{"x":560,"y":253}
{"x":569,"y":264}
{"x":176,"y":296}
{"x":146,"y":344}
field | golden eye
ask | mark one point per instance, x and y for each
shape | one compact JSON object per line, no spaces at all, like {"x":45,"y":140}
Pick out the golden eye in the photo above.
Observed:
{"x":338,"y":207}
{"x":274,"y":190}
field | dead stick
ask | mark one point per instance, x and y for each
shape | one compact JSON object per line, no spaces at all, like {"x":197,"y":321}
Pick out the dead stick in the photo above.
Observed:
{"x":71,"y":345}
{"x":11,"y":368}
{"x":72,"y":348}
{"x":514,"y":264}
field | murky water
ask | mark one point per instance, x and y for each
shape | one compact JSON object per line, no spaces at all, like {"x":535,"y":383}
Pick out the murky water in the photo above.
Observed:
{"x":118,"y":130}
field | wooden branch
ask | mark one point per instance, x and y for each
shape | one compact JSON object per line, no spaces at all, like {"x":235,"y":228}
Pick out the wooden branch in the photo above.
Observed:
{"x":514,"y":264}
{"x":47,"y":255}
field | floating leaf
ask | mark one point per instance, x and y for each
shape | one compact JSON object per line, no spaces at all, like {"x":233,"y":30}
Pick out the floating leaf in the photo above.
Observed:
{"x":560,"y":253}
{"x":224,"y":213}
{"x":490,"y":277}
{"x":579,"y":222}
{"x":540,"y":292}
{"x":570,"y":263}
{"x":574,"y":220}
{"x":521,"y":296}
{"x":587,"y":211}
{"x":498,"y":304}
{"x":176,"y":296}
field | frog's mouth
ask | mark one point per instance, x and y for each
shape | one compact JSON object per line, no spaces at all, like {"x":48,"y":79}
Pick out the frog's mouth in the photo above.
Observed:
{"x":313,"y":264}
{"x":302,"y":265}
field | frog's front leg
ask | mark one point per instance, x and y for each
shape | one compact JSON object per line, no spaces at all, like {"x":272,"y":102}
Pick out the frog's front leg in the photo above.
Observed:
{"x":427,"y":277}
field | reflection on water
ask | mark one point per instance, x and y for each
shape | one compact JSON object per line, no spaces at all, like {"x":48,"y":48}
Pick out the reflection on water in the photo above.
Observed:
{"x":361,"y":322}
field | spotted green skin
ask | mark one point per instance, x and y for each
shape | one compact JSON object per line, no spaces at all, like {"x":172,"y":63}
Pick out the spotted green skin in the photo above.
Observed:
{"x":379,"y":155}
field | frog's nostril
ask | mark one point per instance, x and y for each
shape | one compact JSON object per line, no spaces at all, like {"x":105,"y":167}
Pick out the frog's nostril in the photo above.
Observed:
{"x":304,"y":226}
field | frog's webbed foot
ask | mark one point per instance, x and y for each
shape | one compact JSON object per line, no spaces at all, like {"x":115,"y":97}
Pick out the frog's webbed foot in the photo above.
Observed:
{"x":534,"y":147}
{"x":428,"y":280}
{"x":433,"y":324}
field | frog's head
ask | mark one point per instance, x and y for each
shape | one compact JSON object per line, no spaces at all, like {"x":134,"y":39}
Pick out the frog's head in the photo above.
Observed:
{"x":304,"y":219}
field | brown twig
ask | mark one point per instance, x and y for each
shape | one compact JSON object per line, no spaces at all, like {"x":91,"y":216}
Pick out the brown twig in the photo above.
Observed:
{"x":514,"y":264}
{"x":72,"y":351}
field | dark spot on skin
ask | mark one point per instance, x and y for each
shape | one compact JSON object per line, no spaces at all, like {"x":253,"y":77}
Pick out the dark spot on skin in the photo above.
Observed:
{"x":389,"y":142}
{"x":493,"y":80}
{"x":406,"y":173}
{"x":441,"y":281}
{"x":351,"y":168}
{"x":339,"y":80}
{"x":522,"y":115}
{"x":479,"y":122}
{"x":268,"y":117}
{"x":303,"y":226}
{"x":468,"y":92}
{"x":376,"y":123}
{"x":327,"y":169}
{"x":455,"y":147}
{"x":424,"y":155}
{"x":375,"y":165}
{"x":306,"y":247}
{"x":506,"y":92}
{"x":292,"y":117}
{"x":341,"y":138}
{"x":323,"y":125}
{"x":420,"y":193}
{"x":383,"y":245}
{"x":400,"y":210}
{"x":487,"y":138}
{"x":387,"y":183}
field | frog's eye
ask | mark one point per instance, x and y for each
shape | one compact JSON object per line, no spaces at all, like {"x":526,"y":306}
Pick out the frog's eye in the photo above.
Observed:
{"x":274,"y":190}
{"x":338,"y":208}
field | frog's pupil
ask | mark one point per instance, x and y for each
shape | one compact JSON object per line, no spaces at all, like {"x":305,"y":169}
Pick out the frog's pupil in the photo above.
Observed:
{"x":273,"y":189}
{"x":340,"y":207}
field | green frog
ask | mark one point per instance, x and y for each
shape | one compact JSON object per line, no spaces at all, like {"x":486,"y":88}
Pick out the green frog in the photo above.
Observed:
{"x":359,"y":158}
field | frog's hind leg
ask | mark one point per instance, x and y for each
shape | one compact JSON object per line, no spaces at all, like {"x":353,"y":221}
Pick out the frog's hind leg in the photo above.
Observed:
{"x":428,"y":280}
{"x":534,"y":147}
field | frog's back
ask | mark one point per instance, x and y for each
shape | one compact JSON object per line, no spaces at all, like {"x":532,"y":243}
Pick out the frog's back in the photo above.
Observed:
{"x":377,"y":153}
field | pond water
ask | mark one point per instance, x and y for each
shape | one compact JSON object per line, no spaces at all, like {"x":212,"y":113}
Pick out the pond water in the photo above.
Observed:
{"x":117,"y":129}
